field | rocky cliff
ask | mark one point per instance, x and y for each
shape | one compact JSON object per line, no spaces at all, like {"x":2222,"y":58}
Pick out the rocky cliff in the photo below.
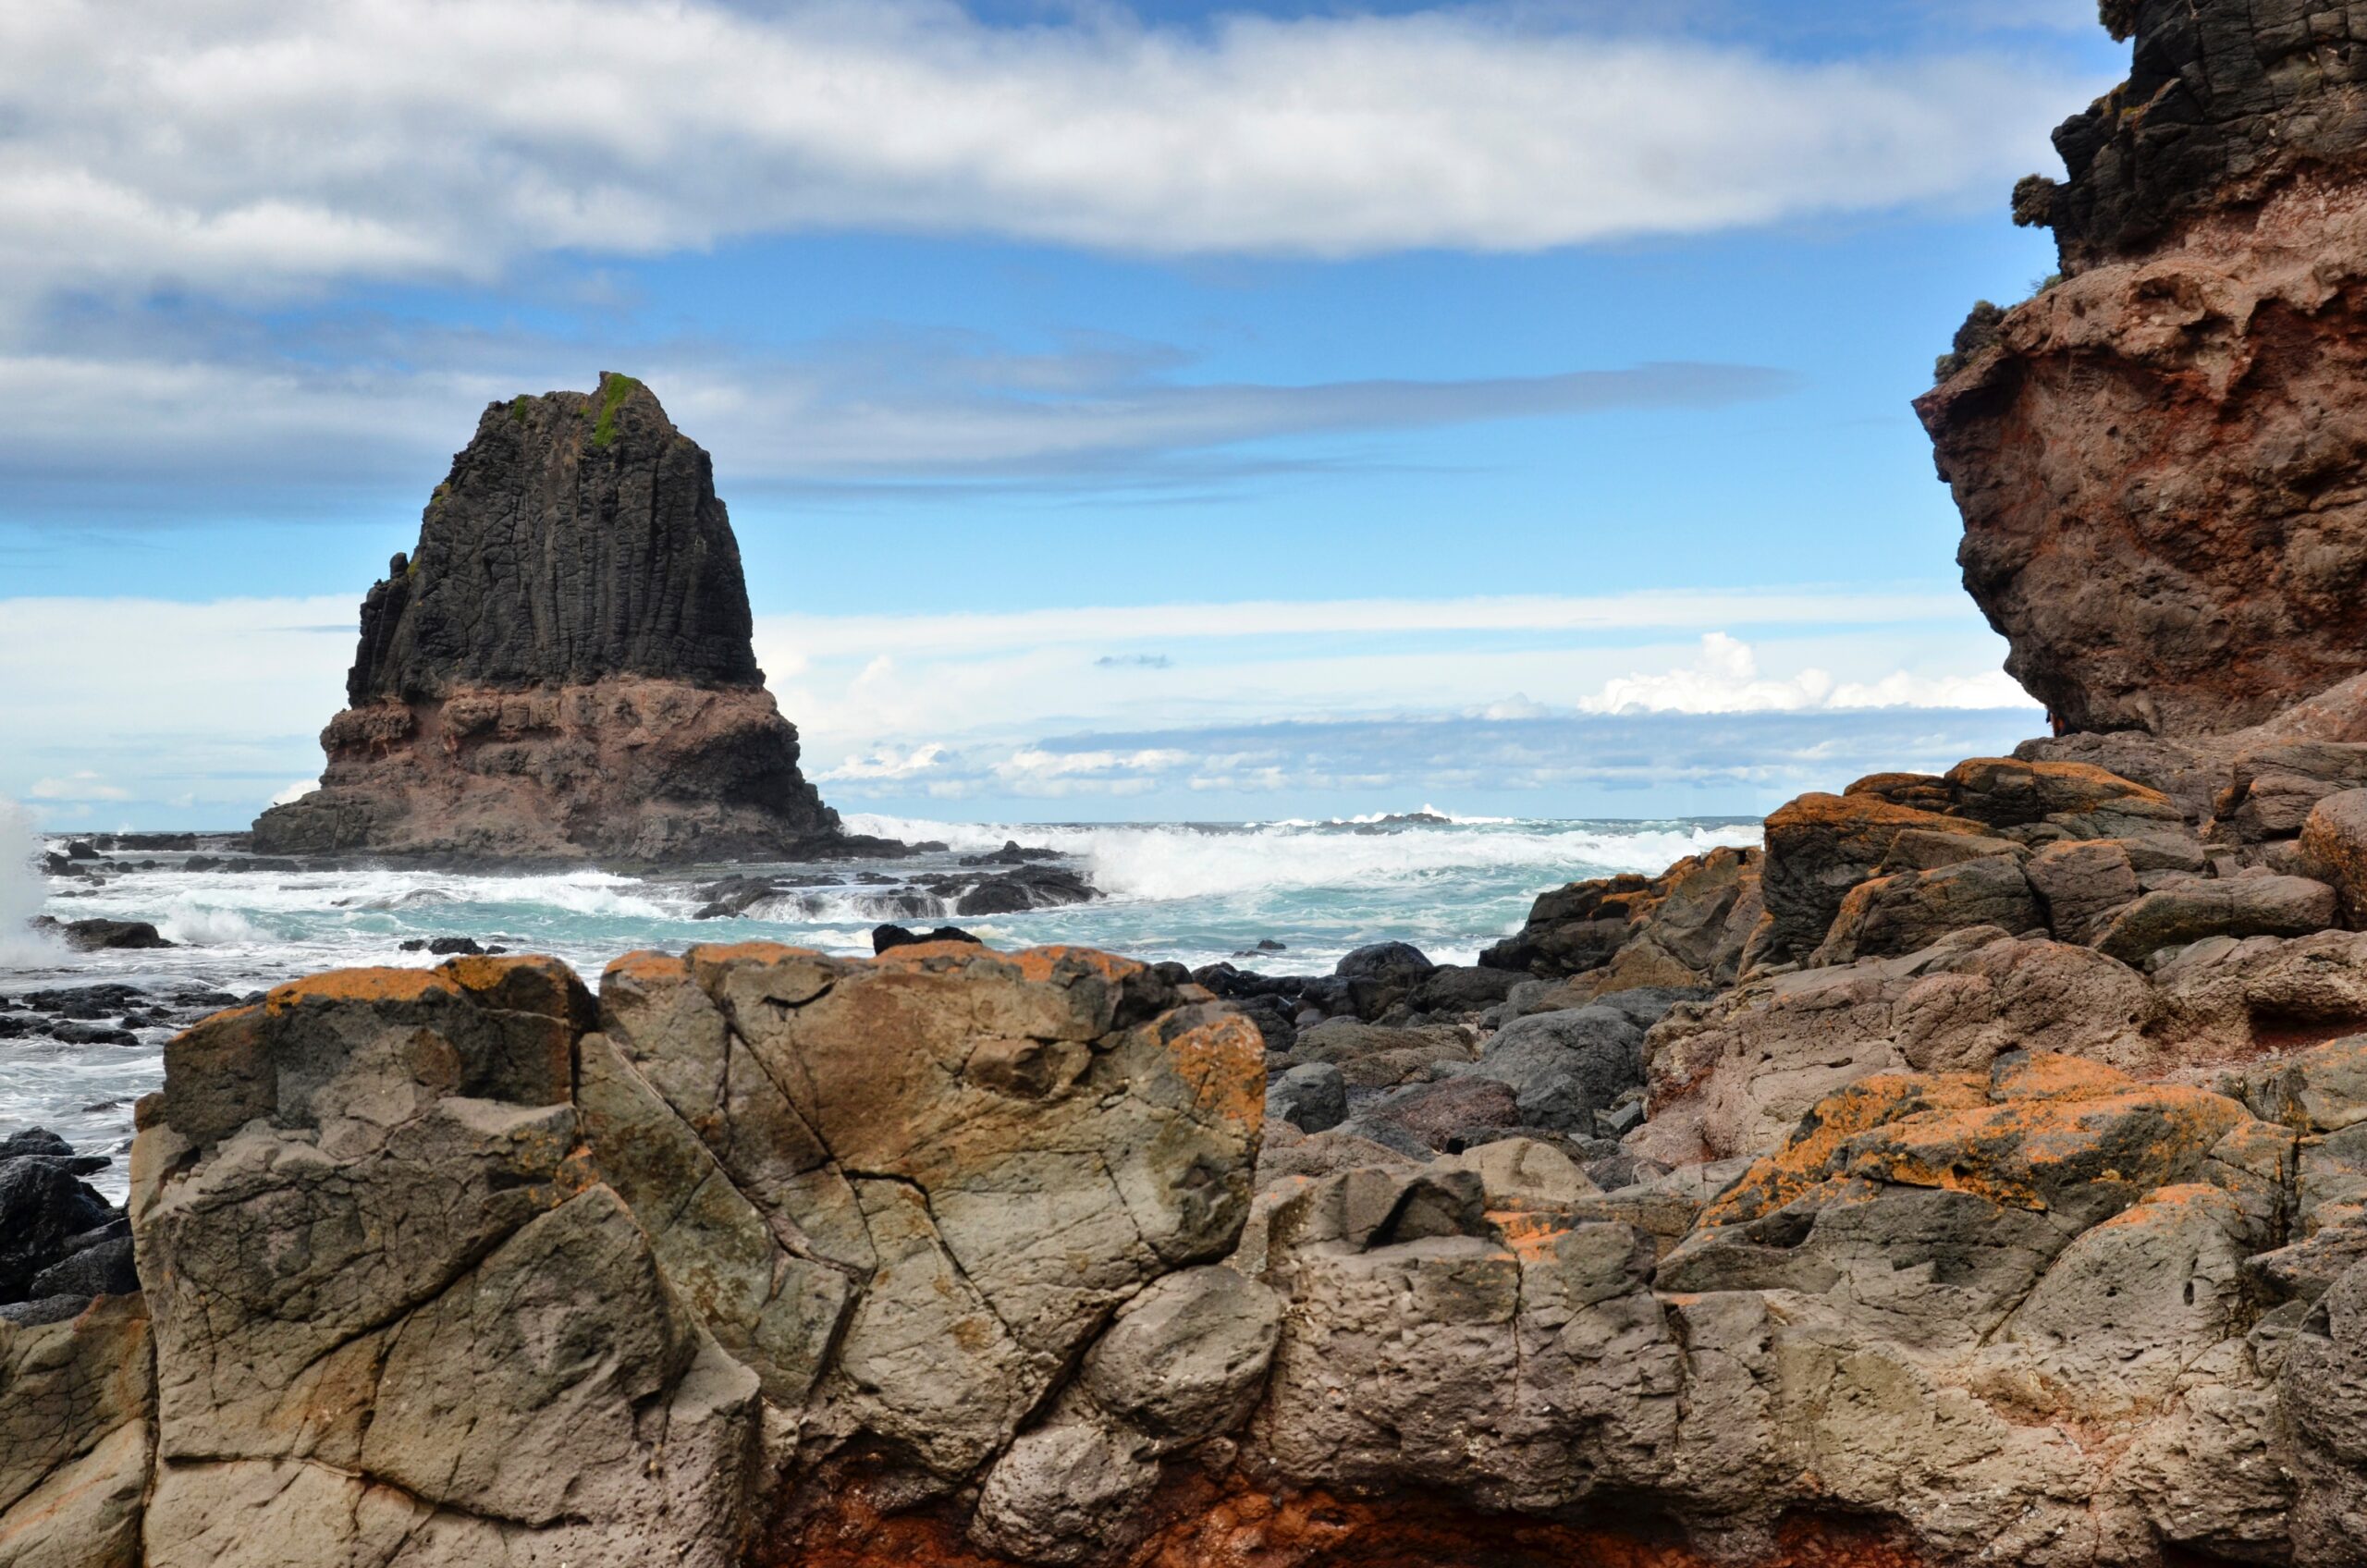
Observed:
{"x":2157,"y":457}
{"x":561,"y":669}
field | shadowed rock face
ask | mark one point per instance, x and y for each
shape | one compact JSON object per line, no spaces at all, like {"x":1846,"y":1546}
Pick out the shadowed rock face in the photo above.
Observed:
{"x":2157,"y":458}
{"x":562,"y":669}
{"x":577,"y":537}
{"x":2223,"y":100}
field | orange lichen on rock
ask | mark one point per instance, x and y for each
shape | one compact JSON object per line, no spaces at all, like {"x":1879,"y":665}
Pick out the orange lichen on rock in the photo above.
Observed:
{"x":357,"y":985}
{"x":705,"y":955}
{"x":1814,"y":1150}
{"x":2040,"y":1126}
{"x":2026,"y":1149}
{"x":1058,"y":962}
{"x":646,"y":966}
{"x":1224,"y":1063}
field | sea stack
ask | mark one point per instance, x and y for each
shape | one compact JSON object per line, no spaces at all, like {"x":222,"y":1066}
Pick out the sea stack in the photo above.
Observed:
{"x":2158,"y":456}
{"x":561,"y":669}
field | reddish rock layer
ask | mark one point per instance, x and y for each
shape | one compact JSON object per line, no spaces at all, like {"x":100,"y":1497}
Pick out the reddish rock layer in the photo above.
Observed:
{"x":2157,"y":459}
{"x":624,"y":769}
{"x":1231,"y":1522}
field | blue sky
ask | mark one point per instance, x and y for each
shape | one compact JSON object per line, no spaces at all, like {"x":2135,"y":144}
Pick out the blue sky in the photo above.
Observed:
{"x":1532,"y":375}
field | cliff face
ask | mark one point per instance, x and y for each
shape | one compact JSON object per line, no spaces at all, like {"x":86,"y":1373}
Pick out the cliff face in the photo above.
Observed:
{"x":562,"y":669}
{"x":2158,"y":457}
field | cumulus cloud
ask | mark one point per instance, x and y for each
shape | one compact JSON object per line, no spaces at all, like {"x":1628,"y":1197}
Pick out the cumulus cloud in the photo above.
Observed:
{"x":1724,"y":678}
{"x":888,"y":763}
{"x":256,"y":150}
{"x":77,"y":787}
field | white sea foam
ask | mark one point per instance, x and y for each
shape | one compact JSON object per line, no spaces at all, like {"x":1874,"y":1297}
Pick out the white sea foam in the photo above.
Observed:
{"x":207,"y":926}
{"x":22,"y":893}
{"x":1177,"y":862}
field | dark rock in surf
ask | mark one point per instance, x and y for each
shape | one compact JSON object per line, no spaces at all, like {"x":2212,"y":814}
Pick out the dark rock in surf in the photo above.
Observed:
{"x":91,"y":935}
{"x":886,"y":937}
{"x":1012,"y":853}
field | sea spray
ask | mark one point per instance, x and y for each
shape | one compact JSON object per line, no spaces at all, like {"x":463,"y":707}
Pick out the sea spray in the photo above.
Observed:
{"x":21,"y":894}
{"x":1169,"y":861}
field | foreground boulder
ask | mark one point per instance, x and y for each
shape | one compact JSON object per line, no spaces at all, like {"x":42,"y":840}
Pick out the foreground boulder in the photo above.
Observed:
{"x":561,"y":669}
{"x":461,"y":1264}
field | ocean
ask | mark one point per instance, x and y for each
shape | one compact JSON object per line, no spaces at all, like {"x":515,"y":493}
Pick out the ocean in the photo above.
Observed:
{"x":1195,"y":892}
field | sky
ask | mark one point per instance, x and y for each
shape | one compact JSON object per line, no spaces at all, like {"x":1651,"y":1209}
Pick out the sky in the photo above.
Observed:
{"x":1126,"y":411}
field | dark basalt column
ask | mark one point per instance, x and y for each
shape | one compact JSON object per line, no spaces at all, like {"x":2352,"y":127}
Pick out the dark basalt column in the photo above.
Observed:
{"x":561,"y":669}
{"x":576,"y":538}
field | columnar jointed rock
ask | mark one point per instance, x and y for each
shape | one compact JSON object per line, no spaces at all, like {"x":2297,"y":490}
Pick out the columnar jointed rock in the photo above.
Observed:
{"x":2156,"y":458}
{"x":562,"y":669}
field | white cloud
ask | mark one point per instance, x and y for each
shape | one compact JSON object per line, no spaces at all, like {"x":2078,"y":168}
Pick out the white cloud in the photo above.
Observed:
{"x":888,"y":763}
{"x":83,"y":785}
{"x":296,"y":791}
{"x":789,"y":637}
{"x":1724,"y":678}
{"x":203,"y":712}
{"x":253,"y":149}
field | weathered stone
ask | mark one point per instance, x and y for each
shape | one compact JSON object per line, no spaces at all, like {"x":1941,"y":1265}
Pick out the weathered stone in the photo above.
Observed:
{"x":75,"y":1398}
{"x":2191,"y":774}
{"x":2324,"y":1395}
{"x":1818,"y":848}
{"x":1185,"y":1360}
{"x":1684,"y":927}
{"x":1733,"y":1076}
{"x":380,"y":1271}
{"x":1451,"y":988}
{"x":1921,"y":848}
{"x":1370,"y":1056}
{"x":2244,"y":906}
{"x":1563,"y":1067}
{"x":1312,"y":1096}
{"x":2082,"y":884}
{"x":1004,"y":1147}
{"x":1064,"y":1493}
{"x":1446,"y":1115}
{"x":2151,"y":453}
{"x":43,"y":1205}
{"x":2334,"y":837}
{"x":1907,"y":912}
{"x":2084,"y":800}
